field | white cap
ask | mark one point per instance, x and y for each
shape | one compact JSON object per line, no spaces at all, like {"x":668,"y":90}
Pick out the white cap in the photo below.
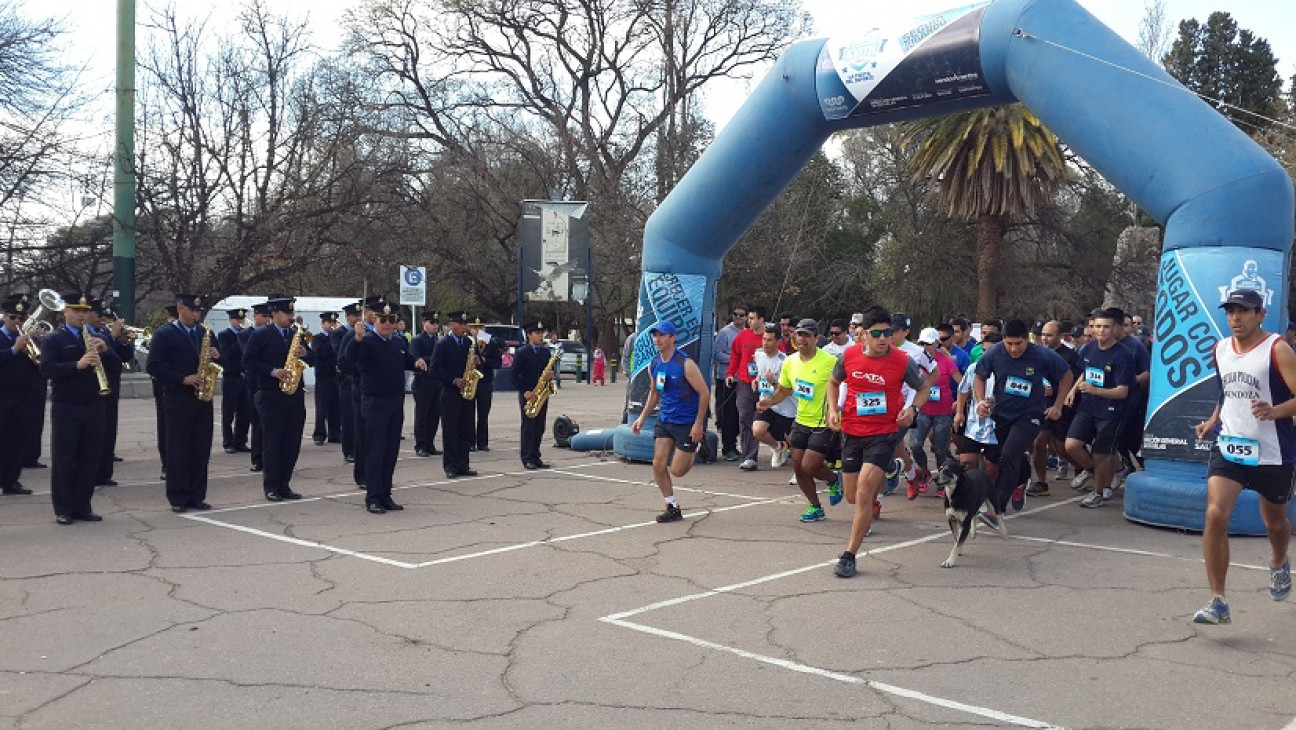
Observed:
{"x":929,"y":336}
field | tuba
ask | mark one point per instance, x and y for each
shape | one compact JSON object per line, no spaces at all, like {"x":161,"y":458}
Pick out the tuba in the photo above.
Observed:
{"x":35,"y":327}
{"x":471,"y":375}
{"x":293,"y":365}
{"x":544,"y":388}
{"x":207,"y":370}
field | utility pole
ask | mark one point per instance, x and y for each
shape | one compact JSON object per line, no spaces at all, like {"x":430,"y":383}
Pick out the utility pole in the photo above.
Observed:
{"x":124,"y":167}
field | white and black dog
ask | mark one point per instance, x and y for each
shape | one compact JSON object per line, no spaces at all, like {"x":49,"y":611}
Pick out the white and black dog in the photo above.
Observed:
{"x":965,"y":492}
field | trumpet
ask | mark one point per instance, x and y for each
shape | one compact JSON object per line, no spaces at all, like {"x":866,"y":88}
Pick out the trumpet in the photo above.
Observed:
{"x":137,"y":333}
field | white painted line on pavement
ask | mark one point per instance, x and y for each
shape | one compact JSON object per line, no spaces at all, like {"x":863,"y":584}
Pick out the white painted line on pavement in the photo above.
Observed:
{"x":677,"y":487}
{"x":836,"y":676}
{"x":303,"y":543}
{"x":1127,"y":551}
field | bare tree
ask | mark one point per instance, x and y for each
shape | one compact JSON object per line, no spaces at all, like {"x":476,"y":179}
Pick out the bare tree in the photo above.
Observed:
{"x":1154,"y":33}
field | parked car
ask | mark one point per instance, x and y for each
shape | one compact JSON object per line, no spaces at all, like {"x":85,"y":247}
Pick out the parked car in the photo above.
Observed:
{"x":575,"y":359}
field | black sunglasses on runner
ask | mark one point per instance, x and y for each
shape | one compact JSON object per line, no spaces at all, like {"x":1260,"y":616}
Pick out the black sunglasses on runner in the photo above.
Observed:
{"x":881,"y":333}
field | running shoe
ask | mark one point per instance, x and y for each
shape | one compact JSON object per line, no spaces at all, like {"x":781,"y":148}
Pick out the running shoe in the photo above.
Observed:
{"x":1107,"y":493}
{"x":813,"y":513}
{"x":1082,"y":480}
{"x":1093,"y":501}
{"x":877,"y":508}
{"x":1052,"y":462}
{"x":893,"y":476}
{"x":1216,"y":612}
{"x":845,"y":566}
{"x":1280,"y":581}
{"x":924,"y":479}
{"x":911,"y":492}
{"x":1064,"y":471}
{"x":1119,"y":477}
{"x":1019,"y":498}
{"x":672,"y":514}
{"x":940,"y":493}
{"x":990,"y":519}
{"x":835,"y":490}
{"x":748,"y":465}
{"x":1037,"y":489}
{"x":780,"y":456}
{"x":792,"y":479}
{"x":730,"y":456}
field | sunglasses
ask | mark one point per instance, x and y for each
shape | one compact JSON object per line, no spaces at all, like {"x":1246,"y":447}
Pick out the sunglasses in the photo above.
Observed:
{"x":740,"y":314}
{"x":946,"y":338}
{"x":834,"y":333}
{"x":880,"y":333}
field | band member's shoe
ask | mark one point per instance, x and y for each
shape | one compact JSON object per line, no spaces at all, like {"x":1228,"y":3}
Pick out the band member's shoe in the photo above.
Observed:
{"x":452,"y":474}
{"x":391,"y":506}
{"x":289,"y":494}
{"x":231,"y":450}
{"x":539,"y":464}
{"x":90,"y":517}
{"x":200,"y":506}
{"x":16,"y":489}
{"x":375,"y":509}
{"x":483,"y":448}
{"x":468,"y":473}
{"x":349,"y":459}
{"x":63,"y":519}
{"x":179,"y":508}
{"x":255,"y":468}
{"x":530,"y":466}
{"x":117,"y":458}
{"x":319,"y":442}
{"x":422,"y":452}
{"x":36,"y":465}
{"x":242,"y":449}
{"x":107,"y":483}
{"x":434,"y":451}
{"x":274,"y":496}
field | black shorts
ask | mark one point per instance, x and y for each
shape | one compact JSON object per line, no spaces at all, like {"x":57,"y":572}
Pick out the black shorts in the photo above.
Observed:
{"x":677,"y":432}
{"x":818,"y":440}
{"x":860,"y":450}
{"x":779,"y":425}
{"x":1271,"y":481}
{"x":965,"y":445}
{"x":1104,"y":435}
{"x":1062,"y":426}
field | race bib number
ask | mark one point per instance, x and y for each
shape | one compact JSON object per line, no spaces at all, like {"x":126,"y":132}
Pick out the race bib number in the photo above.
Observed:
{"x":766,"y":388}
{"x":1095,"y":377}
{"x":660,"y":383}
{"x":1240,"y":450}
{"x":934,"y":397}
{"x":804,"y":390}
{"x":751,"y":369}
{"x":1019,"y":387}
{"x":870,"y":404}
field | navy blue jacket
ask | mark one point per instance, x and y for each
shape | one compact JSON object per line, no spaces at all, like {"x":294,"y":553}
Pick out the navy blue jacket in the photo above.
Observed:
{"x":60,"y":351}
{"x":230,"y":344}
{"x":382,"y":365}
{"x":528,"y":362}
{"x":267,"y":350}
{"x":448,"y":359}
{"x":17,"y":371}
{"x":321,"y":347}
{"x":173,"y":353}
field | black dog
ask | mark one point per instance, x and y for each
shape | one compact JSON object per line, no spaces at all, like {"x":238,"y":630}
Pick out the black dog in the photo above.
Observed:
{"x":965,"y":492}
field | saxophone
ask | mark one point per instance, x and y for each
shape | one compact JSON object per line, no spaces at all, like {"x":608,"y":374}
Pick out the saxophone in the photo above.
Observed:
{"x":544,"y":388}
{"x":207,"y":370}
{"x":293,"y":365}
{"x":100,"y":375}
{"x":471,"y":374}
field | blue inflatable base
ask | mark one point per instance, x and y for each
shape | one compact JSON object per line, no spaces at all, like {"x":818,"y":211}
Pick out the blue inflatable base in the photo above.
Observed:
{"x":1173,"y":494}
{"x":640,"y":448}
{"x":600,"y":439}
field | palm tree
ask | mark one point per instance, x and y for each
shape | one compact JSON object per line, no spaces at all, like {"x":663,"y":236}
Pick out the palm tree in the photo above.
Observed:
{"x":992,"y":165}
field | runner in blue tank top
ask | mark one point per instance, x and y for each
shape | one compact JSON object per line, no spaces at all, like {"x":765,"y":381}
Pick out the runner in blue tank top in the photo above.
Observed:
{"x":678,"y":385}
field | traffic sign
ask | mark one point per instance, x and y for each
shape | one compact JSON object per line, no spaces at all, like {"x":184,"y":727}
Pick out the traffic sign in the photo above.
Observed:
{"x":413,"y":286}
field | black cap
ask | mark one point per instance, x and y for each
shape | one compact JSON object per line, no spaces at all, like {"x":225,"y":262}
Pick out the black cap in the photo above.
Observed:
{"x":236,"y":313}
{"x":281,"y":304}
{"x":371,"y":301}
{"x":430,"y":316}
{"x":1077,"y":331}
{"x":192,"y":301}
{"x":262,"y":309}
{"x":328,"y":316}
{"x":97,"y":306}
{"x":457,"y":316}
{"x":386,"y":309}
{"x":536,"y":326}
{"x":76,"y":300}
{"x":808,"y":326}
{"x":15,"y":306}
{"x":1248,"y":298}
{"x":900,"y":321}
{"x":352,"y":309}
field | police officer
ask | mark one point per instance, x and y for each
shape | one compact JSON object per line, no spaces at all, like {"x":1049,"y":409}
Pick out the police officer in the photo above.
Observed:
{"x":328,"y":411}
{"x":120,"y":351}
{"x":339,"y":338}
{"x":382,"y":361}
{"x":346,"y":363}
{"x":173,"y":360}
{"x":528,"y":362}
{"x":68,"y":359}
{"x":283,"y":416}
{"x":449,"y":361}
{"x":17,"y":375}
{"x":236,"y":399}
{"x":260,"y":318}
{"x":34,"y":416}
{"x":427,"y":390}
{"x":492,"y":357}
{"x":159,"y":399}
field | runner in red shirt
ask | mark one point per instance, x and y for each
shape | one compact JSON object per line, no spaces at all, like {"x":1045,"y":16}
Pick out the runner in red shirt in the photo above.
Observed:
{"x":742,"y":368}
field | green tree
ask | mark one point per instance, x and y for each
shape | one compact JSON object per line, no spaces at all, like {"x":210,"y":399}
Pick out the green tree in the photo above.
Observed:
{"x":991,"y":165}
{"x":1232,"y":67}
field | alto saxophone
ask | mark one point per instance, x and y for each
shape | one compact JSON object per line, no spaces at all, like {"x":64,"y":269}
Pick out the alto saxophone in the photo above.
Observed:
{"x":100,"y":375}
{"x":471,"y":375}
{"x":293,"y":365}
{"x":545,"y":387}
{"x":207,"y":370}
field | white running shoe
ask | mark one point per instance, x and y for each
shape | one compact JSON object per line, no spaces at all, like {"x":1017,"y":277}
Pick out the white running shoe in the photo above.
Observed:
{"x":1082,"y":479}
{"x":1064,"y":471}
{"x":792,"y":480}
{"x":1118,"y":479}
{"x":780,"y":455}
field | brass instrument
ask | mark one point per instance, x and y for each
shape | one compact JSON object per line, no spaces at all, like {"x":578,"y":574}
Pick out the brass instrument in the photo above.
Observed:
{"x":35,"y":327}
{"x":137,"y":333}
{"x":544,"y":388}
{"x":471,"y":374}
{"x":294,"y":365}
{"x":100,"y":375}
{"x":207,"y":370}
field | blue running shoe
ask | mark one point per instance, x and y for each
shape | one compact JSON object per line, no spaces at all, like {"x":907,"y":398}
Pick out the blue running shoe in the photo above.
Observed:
{"x":845,"y":566}
{"x":1216,"y":612}
{"x":813,"y":513}
{"x":1280,"y":581}
{"x":835,"y":490}
{"x":991,"y":520}
{"x":893,"y":476}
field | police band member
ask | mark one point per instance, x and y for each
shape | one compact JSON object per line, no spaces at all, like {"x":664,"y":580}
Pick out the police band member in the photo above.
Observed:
{"x":236,"y":399}
{"x":427,"y":390}
{"x":346,"y":364}
{"x":76,"y":412}
{"x":381,"y":361}
{"x":159,"y":399}
{"x":260,"y":318}
{"x":328,"y":411}
{"x":173,"y":359}
{"x":283,"y":416}
{"x":492,"y":357}
{"x":338,"y":338}
{"x":17,"y":378}
{"x":528,"y":362}
{"x":121,"y":351}
{"x":448,"y":366}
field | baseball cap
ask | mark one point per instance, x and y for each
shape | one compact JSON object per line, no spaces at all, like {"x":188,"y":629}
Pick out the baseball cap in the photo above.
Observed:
{"x":857,"y":318}
{"x":1244,"y":298}
{"x":809,"y":326}
{"x":663,"y":326}
{"x":900,"y":321}
{"x":929,"y":336}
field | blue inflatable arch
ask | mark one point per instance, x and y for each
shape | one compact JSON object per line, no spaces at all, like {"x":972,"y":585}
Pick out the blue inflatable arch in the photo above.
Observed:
{"x":1227,"y":206}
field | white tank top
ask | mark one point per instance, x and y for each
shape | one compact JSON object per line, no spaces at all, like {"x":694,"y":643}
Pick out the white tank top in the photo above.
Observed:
{"x":1244,"y":377}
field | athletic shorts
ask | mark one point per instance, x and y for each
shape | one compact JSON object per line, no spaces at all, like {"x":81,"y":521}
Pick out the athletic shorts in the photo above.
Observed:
{"x":818,"y":440}
{"x":677,"y":432}
{"x":1062,"y":426}
{"x":1271,"y":481}
{"x":779,"y":425}
{"x":860,"y":450}
{"x":965,"y":445}
{"x":1102,"y":435}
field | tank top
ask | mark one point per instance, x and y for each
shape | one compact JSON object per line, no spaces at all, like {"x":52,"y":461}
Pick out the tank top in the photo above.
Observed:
{"x":1243,"y":377}
{"x":679,"y":402}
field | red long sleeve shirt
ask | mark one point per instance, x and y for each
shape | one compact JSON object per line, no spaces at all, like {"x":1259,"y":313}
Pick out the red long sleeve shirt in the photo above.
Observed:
{"x":742,"y":366}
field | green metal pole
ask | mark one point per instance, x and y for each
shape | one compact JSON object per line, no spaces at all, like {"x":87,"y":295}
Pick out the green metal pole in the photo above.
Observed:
{"x":124,"y":167}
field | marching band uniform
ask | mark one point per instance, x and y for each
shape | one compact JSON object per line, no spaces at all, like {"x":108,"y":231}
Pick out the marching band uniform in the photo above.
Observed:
{"x":346,"y":362}
{"x":427,"y":391}
{"x":492,"y":357}
{"x":529,"y":362}
{"x":328,"y":411}
{"x":114,"y":361}
{"x":345,"y":378}
{"x":236,"y":399}
{"x":261,"y":318}
{"x":283,"y":416}
{"x":381,"y":363}
{"x":174,"y":356}
{"x":448,"y":364}
{"x":17,"y":377}
{"x":159,"y":400}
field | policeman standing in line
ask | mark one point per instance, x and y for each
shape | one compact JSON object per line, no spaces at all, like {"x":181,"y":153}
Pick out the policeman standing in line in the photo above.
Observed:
{"x":33,"y":431}
{"x":236,"y":399}
{"x":260,"y":318}
{"x":283,"y":416}
{"x":492,"y":357}
{"x":340,"y":337}
{"x":173,"y":360}
{"x":346,"y":361}
{"x":427,"y":390}
{"x":382,"y":362}
{"x":528,"y":363}
{"x":76,"y":412}
{"x":328,"y":411}
{"x":159,"y":398}
{"x":17,"y":373}
{"x":449,"y":361}
{"x":120,"y":351}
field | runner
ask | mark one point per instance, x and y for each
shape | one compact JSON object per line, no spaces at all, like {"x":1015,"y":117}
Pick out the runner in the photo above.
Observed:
{"x":772,"y":425}
{"x":1053,"y":436}
{"x":680,"y":388}
{"x":1106,"y":379}
{"x":901,"y":325}
{"x":742,"y":371}
{"x":937,"y":414}
{"x":1255,"y":446}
